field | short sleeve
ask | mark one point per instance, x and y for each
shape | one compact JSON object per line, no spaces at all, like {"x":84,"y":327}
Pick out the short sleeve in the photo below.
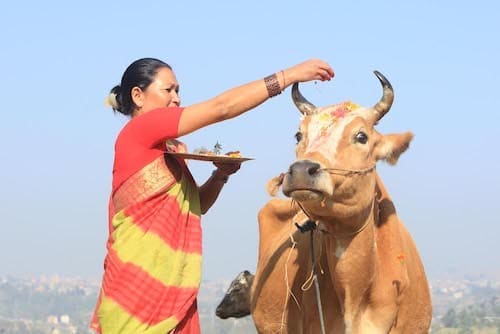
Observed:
{"x":154,"y":126}
{"x":142,"y":140}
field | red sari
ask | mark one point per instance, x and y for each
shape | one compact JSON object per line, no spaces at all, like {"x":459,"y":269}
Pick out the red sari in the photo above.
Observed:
{"x":153,"y":265}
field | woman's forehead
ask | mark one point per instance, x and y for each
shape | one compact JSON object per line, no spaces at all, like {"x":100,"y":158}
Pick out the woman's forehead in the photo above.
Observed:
{"x":165,"y":76}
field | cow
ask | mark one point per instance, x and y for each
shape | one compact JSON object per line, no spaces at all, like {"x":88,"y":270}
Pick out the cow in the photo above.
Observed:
{"x":368,"y":270}
{"x":236,"y":301}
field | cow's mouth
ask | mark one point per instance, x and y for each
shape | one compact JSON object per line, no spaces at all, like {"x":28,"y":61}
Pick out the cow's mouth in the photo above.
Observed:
{"x":304,"y":195}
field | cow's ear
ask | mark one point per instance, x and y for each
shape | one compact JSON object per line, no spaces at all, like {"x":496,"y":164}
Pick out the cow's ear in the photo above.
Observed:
{"x":274,"y":184}
{"x":390,"y":147}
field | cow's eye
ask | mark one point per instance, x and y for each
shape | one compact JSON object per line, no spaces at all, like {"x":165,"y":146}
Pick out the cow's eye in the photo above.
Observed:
{"x":361,"y":137}
{"x":298,"y":136}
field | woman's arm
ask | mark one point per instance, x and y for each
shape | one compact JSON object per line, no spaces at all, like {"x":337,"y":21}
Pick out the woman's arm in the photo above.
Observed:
{"x":210,"y":190}
{"x":238,"y":100}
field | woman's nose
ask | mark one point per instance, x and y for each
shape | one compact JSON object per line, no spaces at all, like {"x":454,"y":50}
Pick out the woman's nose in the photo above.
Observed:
{"x":176,"y":99}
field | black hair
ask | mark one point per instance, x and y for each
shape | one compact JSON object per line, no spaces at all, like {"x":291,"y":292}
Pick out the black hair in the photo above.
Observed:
{"x":138,"y":74}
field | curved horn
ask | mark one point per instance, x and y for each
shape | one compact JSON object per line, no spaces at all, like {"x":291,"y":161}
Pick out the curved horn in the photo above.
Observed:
{"x":305,"y":107}
{"x":385,"y":103}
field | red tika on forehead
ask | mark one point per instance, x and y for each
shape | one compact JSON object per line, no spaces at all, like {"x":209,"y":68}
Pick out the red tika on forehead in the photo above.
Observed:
{"x":339,"y":112}
{"x":341,"y":109}
{"x":321,"y":125}
{"x":330,"y":114}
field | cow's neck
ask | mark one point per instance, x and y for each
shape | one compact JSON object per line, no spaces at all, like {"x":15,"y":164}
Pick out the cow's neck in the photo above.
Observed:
{"x":351,"y":258}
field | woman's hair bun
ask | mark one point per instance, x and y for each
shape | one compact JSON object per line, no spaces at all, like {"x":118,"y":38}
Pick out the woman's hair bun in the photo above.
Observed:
{"x":113,"y":99}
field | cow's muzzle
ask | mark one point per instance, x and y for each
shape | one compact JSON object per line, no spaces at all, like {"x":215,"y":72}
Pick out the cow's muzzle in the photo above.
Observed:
{"x":306,"y":180}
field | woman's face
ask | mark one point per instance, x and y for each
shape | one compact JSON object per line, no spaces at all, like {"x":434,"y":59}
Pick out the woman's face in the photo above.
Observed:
{"x":162,"y":92}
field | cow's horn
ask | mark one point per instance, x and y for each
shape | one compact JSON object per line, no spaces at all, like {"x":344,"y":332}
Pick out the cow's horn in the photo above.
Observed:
{"x":385,"y":103}
{"x":305,"y":107}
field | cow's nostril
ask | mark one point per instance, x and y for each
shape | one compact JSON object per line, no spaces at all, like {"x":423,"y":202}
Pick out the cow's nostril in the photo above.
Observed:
{"x":313,"y":169}
{"x":304,"y":168}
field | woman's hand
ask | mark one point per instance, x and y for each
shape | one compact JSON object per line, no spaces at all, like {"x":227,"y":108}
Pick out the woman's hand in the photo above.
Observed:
{"x":226,"y":169}
{"x":313,"y":69}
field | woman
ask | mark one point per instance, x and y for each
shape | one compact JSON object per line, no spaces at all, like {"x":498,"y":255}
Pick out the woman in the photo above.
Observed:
{"x":152,"y":269}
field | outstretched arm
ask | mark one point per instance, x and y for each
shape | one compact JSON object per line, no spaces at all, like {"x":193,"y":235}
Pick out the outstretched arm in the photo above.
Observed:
{"x":236,"y":101}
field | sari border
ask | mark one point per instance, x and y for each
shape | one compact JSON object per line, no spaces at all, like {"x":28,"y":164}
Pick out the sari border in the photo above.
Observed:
{"x":150,"y":180}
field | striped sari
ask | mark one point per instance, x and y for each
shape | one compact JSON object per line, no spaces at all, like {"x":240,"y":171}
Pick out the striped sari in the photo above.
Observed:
{"x":153,"y":265}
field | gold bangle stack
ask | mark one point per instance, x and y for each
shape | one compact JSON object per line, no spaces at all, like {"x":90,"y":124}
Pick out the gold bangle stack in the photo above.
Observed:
{"x":272,"y":85}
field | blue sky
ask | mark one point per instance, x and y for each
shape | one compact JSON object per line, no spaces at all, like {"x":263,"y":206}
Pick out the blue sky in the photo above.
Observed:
{"x":60,"y":59}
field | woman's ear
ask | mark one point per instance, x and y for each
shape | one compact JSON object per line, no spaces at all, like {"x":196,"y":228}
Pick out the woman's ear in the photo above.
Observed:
{"x":137,"y":96}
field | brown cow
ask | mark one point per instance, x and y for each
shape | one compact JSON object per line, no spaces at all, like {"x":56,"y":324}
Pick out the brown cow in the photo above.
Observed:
{"x":370,"y":274}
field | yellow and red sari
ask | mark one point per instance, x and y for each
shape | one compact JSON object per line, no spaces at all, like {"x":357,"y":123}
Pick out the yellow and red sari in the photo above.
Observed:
{"x":153,"y":265}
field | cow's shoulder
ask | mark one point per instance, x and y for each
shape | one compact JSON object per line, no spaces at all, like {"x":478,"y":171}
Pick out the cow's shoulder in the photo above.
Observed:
{"x":275,"y":222}
{"x":278,"y":210}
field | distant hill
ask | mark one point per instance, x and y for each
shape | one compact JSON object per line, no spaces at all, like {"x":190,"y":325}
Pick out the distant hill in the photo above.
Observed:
{"x":54,"y":305}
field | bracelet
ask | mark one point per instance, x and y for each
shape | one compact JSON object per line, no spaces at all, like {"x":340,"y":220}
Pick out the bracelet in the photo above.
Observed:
{"x":272,"y":85}
{"x":283,"y":75}
{"x":218,"y":177}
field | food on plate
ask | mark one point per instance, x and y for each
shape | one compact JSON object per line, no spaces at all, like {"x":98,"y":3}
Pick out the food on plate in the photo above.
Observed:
{"x":217,"y":151}
{"x":234,"y":154}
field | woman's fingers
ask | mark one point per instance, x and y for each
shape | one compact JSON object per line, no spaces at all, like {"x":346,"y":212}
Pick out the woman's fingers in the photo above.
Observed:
{"x":325,"y":74}
{"x":228,"y":168}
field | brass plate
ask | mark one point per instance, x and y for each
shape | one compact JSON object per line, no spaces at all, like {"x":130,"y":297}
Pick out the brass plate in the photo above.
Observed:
{"x":210,"y":157}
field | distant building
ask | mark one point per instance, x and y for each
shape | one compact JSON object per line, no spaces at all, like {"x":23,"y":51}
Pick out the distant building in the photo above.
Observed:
{"x":52,"y":319}
{"x":65,"y":319}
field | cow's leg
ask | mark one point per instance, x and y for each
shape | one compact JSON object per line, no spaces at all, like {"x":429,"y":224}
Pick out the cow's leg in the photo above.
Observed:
{"x":274,"y":308}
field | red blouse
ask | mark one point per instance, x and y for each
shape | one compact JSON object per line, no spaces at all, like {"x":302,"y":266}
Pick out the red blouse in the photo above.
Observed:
{"x":142,"y":140}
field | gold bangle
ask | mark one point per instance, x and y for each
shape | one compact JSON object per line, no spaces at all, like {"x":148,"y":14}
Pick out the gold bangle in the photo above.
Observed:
{"x":284,"y":83}
{"x":272,"y":85}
